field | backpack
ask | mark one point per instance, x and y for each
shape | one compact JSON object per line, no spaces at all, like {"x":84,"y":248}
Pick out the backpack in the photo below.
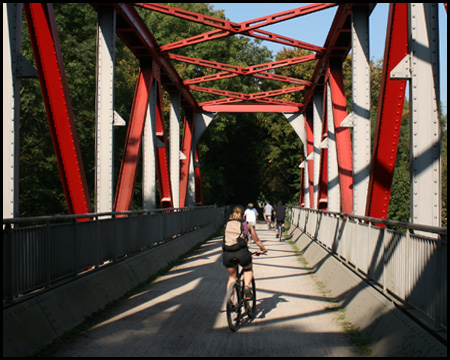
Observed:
{"x":234,"y":236}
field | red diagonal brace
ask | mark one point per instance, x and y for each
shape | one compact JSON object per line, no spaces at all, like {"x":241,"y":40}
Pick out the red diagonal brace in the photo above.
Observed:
{"x":128,"y":168}
{"x":246,"y":27}
{"x":389,"y":119}
{"x":255,"y":70}
{"x":47,"y":53}
{"x":161,"y":151}
{"x":343,"y":141}
{"x":186,"y":149}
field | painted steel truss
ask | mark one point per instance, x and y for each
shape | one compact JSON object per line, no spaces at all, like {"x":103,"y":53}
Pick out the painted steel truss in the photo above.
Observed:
{"x":338,"y":174}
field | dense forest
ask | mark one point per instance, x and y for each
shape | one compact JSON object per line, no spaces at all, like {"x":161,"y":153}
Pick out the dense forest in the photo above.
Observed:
{"x":244,"y":157}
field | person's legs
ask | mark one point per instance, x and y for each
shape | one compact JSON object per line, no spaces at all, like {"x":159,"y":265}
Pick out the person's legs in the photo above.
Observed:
{"x":232,"y":276}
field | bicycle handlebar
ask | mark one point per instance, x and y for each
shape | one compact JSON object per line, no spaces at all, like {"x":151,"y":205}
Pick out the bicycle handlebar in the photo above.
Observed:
{"x":257,"y":253}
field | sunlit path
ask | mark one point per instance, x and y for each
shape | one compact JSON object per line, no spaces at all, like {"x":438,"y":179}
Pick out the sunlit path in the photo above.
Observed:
{"x":182,"y":313}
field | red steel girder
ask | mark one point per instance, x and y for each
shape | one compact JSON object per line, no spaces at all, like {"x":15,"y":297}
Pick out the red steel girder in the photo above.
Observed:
{"x":309,"y":129}
{"x":252,"y":108}
{"x":323,"y":173}
{"x":337,"y":45}
{"x":254,"y":70}
{"x":47,"y":54}
{"x":198,"y":182}
{"x":389,"y":118}
{"x":128,"y":167}
{"x":231,"y":101}
{"x":261,"y":75}
{"x":143,"y":45}
{"x":162,"y":165}
{"x":250,"y":28}
{"x":343,"y":141}
{"x":248,"y":97}
{"x":186,"y":149}
{"x":133,"y":143}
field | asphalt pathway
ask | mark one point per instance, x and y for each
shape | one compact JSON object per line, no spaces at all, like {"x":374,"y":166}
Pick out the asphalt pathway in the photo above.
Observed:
{"x":183,"y":313}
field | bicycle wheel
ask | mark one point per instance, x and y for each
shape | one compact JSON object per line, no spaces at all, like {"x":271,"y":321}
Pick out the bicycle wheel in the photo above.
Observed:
{"x":280,"y":233}
{"x":234,"y":303}
{"x":250,"y":305}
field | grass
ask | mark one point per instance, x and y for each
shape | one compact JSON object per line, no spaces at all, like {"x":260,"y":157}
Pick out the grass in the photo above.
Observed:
{"x":360,"y":342}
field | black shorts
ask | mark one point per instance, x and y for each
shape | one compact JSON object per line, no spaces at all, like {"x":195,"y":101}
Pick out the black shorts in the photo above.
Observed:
{"x":243,"y":257}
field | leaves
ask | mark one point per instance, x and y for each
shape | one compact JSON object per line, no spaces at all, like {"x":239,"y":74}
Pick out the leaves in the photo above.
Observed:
{"x":244,"y":157}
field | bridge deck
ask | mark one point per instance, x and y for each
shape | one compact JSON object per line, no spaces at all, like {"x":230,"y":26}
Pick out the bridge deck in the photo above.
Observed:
{"x":182,"y":313}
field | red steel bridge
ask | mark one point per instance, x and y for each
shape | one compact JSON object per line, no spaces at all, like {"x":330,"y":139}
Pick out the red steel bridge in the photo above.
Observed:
{"x":321,"y":121}
{"x":342,"y":171}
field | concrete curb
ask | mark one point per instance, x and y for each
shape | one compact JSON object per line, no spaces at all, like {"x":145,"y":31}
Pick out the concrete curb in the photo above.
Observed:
{"x":35,"y":323}
{"x":392,"y":333}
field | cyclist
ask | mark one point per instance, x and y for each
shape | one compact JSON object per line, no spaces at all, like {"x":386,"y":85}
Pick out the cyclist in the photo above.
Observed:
{"x":251,"y":214}
{"x":268,"y":214}
{"x":243,"y":256}
{"x":280,"y":215}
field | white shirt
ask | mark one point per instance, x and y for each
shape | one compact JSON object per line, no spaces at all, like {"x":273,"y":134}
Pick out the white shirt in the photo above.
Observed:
{"x":268,"y":209}
{"x":250,"y":216}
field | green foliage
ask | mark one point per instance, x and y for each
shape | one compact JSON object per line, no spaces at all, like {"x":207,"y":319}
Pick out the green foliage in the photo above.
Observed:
{"x":244,"y":157}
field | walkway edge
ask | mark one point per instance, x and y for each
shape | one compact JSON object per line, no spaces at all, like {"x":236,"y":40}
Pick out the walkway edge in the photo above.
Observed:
{"x":391,"y":332}
{"x":35,"y":323}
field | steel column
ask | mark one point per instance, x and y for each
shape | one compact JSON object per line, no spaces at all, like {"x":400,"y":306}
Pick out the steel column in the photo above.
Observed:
{"x":389,"y":117}
{"x":104,"y":154}
{"x":175,"y":147}
{"x":297,"y":121}
{"x":361,"y":107}
{"x":149,"y":144}
{"x":425,"y":119}
{"x":333,"y":191}
{"x":343,"y":142}
{"x":12,"y":32}
{"x":317,"y":140}
{"x":198,"y":182}
{"x":47,"y":53}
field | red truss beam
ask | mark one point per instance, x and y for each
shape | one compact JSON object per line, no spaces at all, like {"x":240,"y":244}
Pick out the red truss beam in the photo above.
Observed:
{"x":254,"y":70}
{"x":227,"y":28}
{"x":262,"y":75}
{"x":162,"y":164}
{"x":337,"y":45}
{"x":140,"y":41}
{"x":343,"y":140}
{"x":248,"y":97}
{"x":252,"y":108}
{"x":389,"y":119}
{"x":128,"y":167}
{"x":198,"y":182}
{"x":186,"y":149}
{"x":48,"y":58}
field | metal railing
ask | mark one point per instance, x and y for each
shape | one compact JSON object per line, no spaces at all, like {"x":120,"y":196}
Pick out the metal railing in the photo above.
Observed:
{"x":62,"y":247}
{"x":411,"y":266}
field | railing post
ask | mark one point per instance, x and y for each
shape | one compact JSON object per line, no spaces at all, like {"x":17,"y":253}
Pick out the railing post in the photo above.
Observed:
{"x":8,"y":274}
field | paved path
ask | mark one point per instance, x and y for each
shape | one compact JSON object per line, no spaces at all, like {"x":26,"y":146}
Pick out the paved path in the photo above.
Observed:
{"x":182,"y":313}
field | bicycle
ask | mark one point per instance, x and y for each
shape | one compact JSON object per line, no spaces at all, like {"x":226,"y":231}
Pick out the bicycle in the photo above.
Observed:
{"x":237,"y":304}
{"x":280,"y":227}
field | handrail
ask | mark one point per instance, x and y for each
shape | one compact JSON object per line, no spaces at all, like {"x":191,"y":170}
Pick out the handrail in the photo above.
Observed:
{"x":421,"y":227}
{"x":95,"y":216}
{"x":409,"y":267}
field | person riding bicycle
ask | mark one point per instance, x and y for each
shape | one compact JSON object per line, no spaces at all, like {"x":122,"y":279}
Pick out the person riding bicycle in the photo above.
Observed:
{"x":242,"y":255}
{"x":268,"y":214}
{"x":251,"y":214}
{"x":280,"y":215}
